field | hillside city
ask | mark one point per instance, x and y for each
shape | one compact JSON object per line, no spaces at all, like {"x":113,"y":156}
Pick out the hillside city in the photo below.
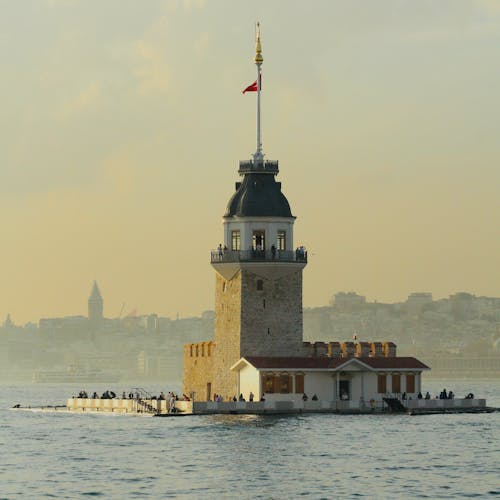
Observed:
{"x":458,"y":335}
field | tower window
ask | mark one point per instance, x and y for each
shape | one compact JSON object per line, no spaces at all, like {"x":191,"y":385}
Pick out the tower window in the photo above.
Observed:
{"x":281,"y":240}
{"x":260,"y":285}
{"x":235,"y":240}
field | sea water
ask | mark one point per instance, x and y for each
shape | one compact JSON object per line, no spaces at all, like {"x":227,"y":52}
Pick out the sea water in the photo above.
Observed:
{"x":60,"y":455}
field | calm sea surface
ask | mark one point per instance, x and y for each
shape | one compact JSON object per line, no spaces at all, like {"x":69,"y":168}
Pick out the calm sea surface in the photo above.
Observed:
{"x":316,"y":456}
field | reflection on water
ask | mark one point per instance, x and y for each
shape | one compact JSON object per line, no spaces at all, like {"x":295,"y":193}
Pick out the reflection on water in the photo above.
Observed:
{"x":316,"y":456}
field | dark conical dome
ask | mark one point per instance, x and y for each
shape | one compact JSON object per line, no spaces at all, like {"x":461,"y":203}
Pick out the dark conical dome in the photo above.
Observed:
{"x":258,"y":195}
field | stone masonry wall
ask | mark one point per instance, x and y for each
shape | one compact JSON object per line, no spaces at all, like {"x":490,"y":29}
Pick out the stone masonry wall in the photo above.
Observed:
{"x":271,"y":318}
{"x":198,"y":369}
{"x":227,"y":333}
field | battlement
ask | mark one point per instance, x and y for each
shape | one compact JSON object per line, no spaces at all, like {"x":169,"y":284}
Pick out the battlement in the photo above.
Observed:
{"x":350,"y":349}
{"x":199,"y":349}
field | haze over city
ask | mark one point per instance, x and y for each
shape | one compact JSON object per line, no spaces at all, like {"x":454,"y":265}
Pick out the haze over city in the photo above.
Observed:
{"x":123,"y":122}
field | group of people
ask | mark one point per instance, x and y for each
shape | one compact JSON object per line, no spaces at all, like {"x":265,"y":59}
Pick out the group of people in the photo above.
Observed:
{"x":171,"y":396}
{"x":305,"y":397}
{"x":442,"y":395}
{"x":105,"y":395}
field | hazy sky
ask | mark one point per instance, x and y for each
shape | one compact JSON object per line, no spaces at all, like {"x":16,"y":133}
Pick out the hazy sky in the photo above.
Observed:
{"x":122,"y":123}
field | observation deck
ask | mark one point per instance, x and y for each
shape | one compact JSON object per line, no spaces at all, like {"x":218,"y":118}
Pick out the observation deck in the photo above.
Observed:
{"x":258,"y":167}
{"x":231,"y":256}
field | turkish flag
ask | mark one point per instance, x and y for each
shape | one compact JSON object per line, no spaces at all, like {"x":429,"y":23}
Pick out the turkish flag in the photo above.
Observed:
{"x":253,"y":87}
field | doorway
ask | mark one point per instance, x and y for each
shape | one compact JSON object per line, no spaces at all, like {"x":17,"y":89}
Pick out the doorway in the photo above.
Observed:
{"x":345,"y":389}
{"x":258,"y":241}
{"x":209,"y":391}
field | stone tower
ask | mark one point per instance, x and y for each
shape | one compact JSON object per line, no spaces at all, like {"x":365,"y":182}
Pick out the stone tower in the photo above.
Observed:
{"x":95,"y":306}
{"x":258,"y":282}
{"x":258,"y":286}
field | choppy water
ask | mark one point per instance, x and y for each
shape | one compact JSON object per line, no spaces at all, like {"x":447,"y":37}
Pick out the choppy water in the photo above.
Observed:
{"x":316,"y":456}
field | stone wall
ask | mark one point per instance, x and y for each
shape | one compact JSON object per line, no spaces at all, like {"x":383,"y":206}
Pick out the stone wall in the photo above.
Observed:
{"x":227,"y":333}
{"x":198,"y":369}
{"x":271,"y":318}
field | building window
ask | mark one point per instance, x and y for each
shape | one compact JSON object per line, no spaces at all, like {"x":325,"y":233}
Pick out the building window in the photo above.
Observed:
{"x":203,"y":350}
{"x":396,"y":382}
{"x":299,"y":383}
{"x":281,"y":240}
{"x":268,"y":383}
{"x":223,"y":286}
{"x":235,"y":240}
{"x":191,"y":350}
{"x":410,"y":383}
{"x":285,"y":383}
{"x":260,"y":285}
{"x":382,"y":384}
{"x":264,"y":303}
{"x":196,"y":350}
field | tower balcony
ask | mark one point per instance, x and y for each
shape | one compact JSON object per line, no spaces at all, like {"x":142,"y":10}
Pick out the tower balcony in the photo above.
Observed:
{"x":231,"y":256}
{"x":259,"y":167}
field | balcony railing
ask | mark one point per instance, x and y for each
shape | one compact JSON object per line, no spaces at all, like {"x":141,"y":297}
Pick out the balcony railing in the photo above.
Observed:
{"x":224,"y":256}
{"x":264,"y":166}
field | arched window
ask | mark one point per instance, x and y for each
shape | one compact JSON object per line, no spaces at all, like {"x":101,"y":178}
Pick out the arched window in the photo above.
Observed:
{"x":299,"y":383}
{"x":396,"y":382}
{"x":382,"y":383}
{"x":268,"y":383}
{"x":410,"y":383}
{"x":260,"y":285}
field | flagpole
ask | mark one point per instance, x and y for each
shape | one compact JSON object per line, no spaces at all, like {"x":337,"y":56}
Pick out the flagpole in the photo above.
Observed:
{"x":258,"y":156}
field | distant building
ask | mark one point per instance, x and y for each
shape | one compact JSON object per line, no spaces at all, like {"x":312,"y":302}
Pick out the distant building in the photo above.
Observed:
{"x":416,"y":302}
{"x":463,"y":306}
{"x":348,"y":301}
{"x":95,"y":306}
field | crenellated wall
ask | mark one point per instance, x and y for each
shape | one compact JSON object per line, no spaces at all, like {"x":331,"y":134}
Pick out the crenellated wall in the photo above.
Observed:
{"x":198,"y":369}
{"x":349,"y":349}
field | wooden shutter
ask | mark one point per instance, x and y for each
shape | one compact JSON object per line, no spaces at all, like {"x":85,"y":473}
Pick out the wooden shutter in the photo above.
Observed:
{"x":382,"y":384}
{"x":410,"y":382}
{"x":299,"y":383}
{"x":396,"y":382}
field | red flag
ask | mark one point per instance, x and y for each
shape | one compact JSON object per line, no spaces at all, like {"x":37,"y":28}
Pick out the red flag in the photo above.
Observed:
{"x":253,"y":87}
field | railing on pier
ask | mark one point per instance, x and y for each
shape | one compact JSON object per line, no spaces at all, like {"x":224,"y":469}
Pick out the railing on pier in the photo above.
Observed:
{"x":217,"y":256}
{"x":144,"y":400}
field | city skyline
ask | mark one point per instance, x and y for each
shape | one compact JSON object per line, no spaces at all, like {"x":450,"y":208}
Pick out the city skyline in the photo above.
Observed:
{"x":119,"y":138}
{"x":337,"y":299}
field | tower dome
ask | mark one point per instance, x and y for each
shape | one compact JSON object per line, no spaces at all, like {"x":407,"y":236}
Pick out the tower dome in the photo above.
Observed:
{"x":258,"y":195}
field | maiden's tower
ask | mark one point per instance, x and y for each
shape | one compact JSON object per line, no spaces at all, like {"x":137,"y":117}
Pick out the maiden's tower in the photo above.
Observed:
{"x":258,"y":340}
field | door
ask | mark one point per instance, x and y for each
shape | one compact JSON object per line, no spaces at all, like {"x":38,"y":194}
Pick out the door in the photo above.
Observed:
{"x":345,"y":390}
{"x":209,"y":391}
{"x":258,"y":241}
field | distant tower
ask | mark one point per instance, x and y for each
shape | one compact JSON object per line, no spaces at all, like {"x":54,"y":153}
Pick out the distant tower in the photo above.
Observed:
{"x":258,"y":295}
{"x":95,"y":305}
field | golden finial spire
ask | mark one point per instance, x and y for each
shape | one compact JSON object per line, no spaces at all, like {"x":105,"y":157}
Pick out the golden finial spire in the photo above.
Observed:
{"x":258,"y":49}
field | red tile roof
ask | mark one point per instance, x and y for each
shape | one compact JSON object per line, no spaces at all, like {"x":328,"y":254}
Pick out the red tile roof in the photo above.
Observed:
{"x":377,"y":363}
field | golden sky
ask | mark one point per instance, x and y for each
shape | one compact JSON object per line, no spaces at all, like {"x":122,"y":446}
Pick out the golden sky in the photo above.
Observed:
{"x":123,"y":122}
